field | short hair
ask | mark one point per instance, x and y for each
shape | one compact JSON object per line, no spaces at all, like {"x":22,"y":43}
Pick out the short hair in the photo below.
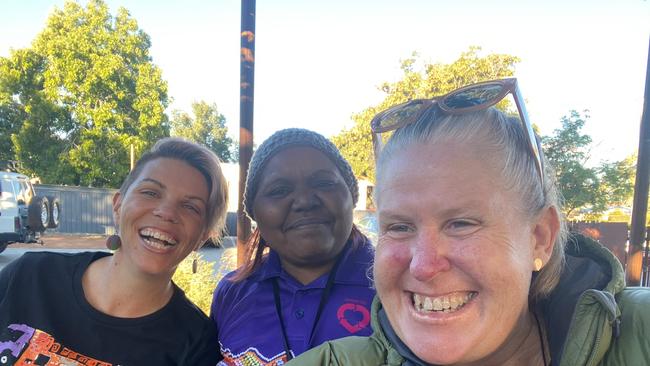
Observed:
{"x":503,"y":135}
{"x":200,"y":158}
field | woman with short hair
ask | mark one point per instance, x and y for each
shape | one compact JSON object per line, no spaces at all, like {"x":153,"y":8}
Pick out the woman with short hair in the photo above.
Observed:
{"x":98,"y":308}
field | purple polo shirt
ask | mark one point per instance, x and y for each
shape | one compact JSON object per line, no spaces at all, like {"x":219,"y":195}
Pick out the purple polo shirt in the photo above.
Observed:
{"x":248,"y":324}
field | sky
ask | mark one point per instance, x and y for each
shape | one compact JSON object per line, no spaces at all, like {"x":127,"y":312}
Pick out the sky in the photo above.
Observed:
{"x":318,"y":62}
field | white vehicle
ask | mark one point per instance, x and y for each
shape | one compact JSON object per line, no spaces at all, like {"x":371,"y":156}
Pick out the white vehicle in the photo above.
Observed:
{"x":23,"y":215}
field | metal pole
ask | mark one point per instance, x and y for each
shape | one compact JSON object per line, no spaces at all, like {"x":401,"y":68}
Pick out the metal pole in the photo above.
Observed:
{"x":246,"y":94}
{"x":132,"y":156}
{"x":644,"y":266}
{"x":640,"y":204}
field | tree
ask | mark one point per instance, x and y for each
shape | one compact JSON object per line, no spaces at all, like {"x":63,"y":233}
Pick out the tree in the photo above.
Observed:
{"x":88,"y":90}
{"x":582,"y":187}
{"x":29,"y":122}
{"x":567,"y":151}
{"x":617,"y":180}
{"x":10,"y":114}
{"x":426,"y":82}
{"x":208,"y":127}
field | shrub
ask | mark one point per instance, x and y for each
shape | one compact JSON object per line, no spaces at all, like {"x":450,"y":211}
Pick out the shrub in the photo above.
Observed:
{"x":200,"y":286}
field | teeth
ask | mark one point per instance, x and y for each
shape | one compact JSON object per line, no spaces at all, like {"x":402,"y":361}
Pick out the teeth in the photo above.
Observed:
{"x":447,"y":304}
{"x":428,"y":303}
{"x":168,"y":240}
{"x":437,"y":304}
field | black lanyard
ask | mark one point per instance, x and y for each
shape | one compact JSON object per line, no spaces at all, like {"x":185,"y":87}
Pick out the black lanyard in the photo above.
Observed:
{"x":323,"y":299}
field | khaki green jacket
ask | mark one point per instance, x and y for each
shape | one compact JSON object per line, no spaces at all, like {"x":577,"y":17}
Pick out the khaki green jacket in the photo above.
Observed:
{"x":591,"y":319}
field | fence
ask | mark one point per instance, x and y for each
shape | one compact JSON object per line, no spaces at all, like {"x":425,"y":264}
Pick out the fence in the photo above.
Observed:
{"x":90,"y":210}
{"x":614,"y":236}
{"x":83,"y":210}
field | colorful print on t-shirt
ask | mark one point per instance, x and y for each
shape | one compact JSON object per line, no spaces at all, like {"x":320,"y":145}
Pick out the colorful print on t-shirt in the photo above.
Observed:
{"x":22,"y":345}
{"x":251,"y":357}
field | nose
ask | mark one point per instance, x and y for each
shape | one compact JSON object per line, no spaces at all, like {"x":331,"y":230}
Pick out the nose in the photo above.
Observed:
{"x":166,"y":212}
{"x":305,"y":199}
{"x":429,"y":255}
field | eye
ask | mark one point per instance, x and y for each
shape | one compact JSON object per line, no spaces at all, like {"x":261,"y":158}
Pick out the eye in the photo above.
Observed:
{"x":278,"y":191}
{"x":462,"y":226}
{"x":325,"y":184}
{"x":149,"y":193}
{"x":398,"y":230}
{"x":192,"y":208}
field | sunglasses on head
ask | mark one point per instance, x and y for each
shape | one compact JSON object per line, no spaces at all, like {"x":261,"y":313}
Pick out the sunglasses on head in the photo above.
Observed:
{"x":469,"y":98}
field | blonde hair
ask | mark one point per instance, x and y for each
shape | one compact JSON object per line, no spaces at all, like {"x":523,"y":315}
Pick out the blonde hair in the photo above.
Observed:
{"x":503,"y":136}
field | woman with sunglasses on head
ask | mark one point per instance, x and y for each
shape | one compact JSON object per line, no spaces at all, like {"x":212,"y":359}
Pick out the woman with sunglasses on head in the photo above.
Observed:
{"x":312,"y":285}
{"x":473,"y":263}
{"x":98,"y":308}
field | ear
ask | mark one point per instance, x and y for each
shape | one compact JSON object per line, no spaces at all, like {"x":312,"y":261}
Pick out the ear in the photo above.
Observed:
{"x":117,"y":204}
{"x":545,"y":232}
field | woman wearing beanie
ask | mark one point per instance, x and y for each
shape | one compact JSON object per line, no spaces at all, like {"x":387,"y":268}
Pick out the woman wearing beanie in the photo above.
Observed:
{"x":312,"y":283}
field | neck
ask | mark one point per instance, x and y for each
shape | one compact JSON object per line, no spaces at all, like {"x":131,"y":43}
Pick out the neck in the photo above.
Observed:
{"x":522,"y":347}
{"x":306,"y":274}
{"x":114,"y":290}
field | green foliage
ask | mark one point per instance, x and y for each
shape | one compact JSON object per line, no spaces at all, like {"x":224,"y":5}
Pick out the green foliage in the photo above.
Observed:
{"x":618,"y":216}
{"x":617,"y":180}
{"x":418,"y":82}
{"x":208,"y":127}
{"x":200,"y":286}
{"x":10,"y":114}
{"x":82,"y":94}
{"x":567,"y":150}
{"x":584,"y":188}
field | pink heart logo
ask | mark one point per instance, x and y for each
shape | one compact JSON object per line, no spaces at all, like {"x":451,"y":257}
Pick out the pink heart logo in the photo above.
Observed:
{"x":360,"y":309}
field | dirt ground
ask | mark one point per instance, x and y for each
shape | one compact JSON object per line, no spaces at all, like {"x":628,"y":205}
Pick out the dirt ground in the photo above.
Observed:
{"x":67,"y":241}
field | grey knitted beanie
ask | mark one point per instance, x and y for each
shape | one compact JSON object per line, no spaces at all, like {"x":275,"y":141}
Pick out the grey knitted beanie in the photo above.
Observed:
{"x":292,"y":137}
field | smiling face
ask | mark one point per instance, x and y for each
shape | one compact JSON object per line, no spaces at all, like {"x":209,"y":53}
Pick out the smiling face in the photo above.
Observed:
{"x":455,"y":255}
{"x":161,"y":217}
{"x":303,"y":210}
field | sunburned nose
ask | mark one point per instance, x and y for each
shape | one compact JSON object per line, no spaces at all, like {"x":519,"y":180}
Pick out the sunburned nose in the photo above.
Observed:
{"x":428,"y":258}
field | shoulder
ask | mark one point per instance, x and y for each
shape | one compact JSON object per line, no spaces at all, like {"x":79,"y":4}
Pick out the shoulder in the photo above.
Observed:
{"x":631,"y":346}
{"x":359,"y":351}
{"x":355,"y":265}
{"x":184,"y":308}
{"x":51,"y":258}
{"x":230,"y":294}
{"x":30,"y":262}
{"x":634,"y":303}
{"x":227,"y":288}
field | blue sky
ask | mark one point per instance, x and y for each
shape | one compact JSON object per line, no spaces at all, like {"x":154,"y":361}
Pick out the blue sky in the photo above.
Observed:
{"x":319,"y":62}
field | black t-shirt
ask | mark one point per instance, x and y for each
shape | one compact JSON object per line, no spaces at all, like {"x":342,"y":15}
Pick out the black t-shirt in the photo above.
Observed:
{"x":46,"y":320}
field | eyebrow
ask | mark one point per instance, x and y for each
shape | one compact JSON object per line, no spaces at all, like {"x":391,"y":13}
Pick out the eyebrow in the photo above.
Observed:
{"x":159,"y":183}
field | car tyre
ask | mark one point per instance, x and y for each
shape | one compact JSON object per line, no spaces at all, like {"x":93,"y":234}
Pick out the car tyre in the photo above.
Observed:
{"x":54,"y":213}
{"x":38,"y":214}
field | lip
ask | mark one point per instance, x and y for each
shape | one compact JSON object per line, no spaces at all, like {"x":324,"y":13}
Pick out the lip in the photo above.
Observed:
{"x":439,"y":317}
{"x":156,"y":249}
{"x":306,"y":221}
